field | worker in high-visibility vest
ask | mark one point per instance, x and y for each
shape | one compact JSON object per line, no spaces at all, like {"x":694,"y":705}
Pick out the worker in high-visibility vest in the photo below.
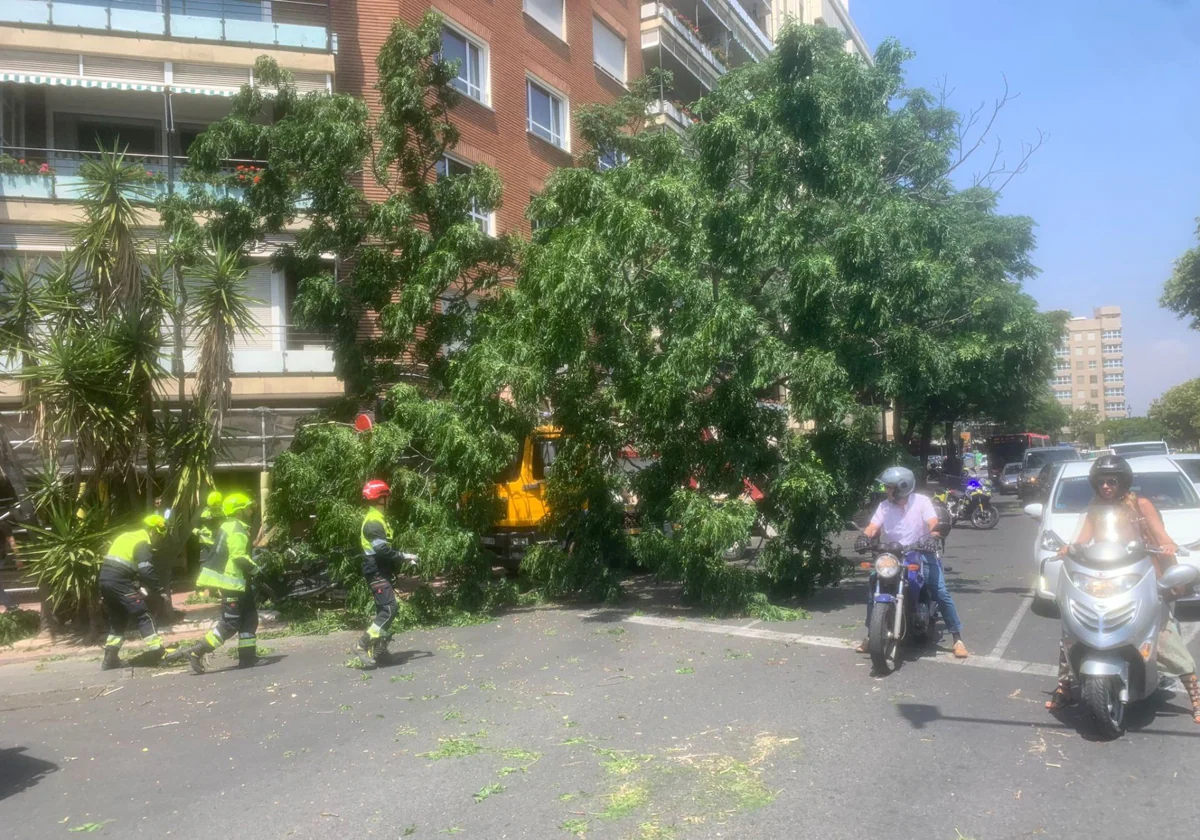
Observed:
{"x":128,"y":567}
{"x":210,"y":522}
{"x":381,"y":562}
{"x":229,"y":569}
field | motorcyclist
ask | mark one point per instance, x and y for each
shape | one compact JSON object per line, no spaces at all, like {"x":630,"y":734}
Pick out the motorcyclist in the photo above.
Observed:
{"x":1111,"y":478}
{"x":908,"y":518}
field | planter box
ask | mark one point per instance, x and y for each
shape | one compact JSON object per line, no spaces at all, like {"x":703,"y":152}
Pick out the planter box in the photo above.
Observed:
{"x":27,"y":186}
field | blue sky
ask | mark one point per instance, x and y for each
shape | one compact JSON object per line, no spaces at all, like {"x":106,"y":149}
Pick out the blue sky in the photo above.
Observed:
{"x":1116,"y":189}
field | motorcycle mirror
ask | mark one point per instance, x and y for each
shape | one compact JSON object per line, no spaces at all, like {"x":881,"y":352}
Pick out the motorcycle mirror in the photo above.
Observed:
{"x":1178,"y":575}
{"x":1035,"y":511}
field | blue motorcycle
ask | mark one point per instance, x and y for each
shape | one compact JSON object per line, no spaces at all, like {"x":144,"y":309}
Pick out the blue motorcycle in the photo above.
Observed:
{"x":901,"y":607}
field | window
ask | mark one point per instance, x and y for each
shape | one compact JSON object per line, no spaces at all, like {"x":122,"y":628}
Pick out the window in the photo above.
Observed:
{"x":1063,"y":366}
{"x":451,"y":168}
{"x":1079,"y":366}
{"x":1078,"y":336}
{"x":1112,"y":363}
{"x":1107,"y":334}
{"x":608,"y":50}
{"x":1169,"y":491}
{"x":1114,"y":377}
{"x":609,"y":158}
{"x":1093,"y":379}
{"x":1078,"y":351}
{"x":1062,"y":351}
{"x":1081,"y":395}
{"x":1063,"y":395}
{"x":1114,"y":349}
{"x":1092,"y":350}
{"x":1118,"y":407}
{"x":1080,"y":379}
{"x":471,"y":58}
{"x":549,"y":13}
{"x":1114,"y":392}
{"x":1091,"y":336}
{"x":1095,"y":393}
{"x":1091,"y":365}
{"x":1062,"y":380}
{"x":547,"y":114}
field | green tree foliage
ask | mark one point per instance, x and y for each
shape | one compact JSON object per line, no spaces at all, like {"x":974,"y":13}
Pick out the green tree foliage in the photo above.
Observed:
{"x":373,"y":193}
{"x":725,"y":305}
{"x":1181,"y":293}
{"x":1082,"y":425}
{"x":1177,"y":411}
{"x":1127,"y":429}
{"x":1046,"y":415}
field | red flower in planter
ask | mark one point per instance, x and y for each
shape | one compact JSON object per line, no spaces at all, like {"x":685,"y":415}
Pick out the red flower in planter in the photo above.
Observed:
{"x":21,"y":161}
{"x":44,"y":169}
{"x":257,"y":178}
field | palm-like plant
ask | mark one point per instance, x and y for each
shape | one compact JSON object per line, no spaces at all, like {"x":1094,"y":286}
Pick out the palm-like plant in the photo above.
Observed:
{"x":218,"y":313}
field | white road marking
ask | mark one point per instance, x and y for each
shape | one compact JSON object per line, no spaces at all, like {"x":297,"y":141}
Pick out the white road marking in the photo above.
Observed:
{"x":989,"y":662}
{"x":1011,"y":630}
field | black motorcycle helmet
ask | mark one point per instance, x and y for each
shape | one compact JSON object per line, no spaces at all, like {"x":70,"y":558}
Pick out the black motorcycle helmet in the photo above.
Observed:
{"x":1112,"y":466}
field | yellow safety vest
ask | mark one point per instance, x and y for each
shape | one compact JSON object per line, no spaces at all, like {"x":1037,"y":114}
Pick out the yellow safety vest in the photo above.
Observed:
{"x":221,"y":569}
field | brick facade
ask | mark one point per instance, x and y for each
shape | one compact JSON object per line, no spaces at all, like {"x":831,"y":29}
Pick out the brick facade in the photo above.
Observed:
{"x":518,"y":47}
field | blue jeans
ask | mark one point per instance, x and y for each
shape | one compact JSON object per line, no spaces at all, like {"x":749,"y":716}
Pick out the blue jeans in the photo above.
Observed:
{"x":935,"y":585}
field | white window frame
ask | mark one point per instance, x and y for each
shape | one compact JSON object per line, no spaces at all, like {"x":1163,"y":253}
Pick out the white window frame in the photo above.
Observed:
{"x":485,"y":63}
{"x":564,"y":139}
{"x":624,"y":69}
{"x":485,"y":221}
{"x":559,"y":31}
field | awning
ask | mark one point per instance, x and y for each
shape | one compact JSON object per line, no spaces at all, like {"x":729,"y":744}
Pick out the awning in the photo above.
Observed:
{"x":74,"y":81}
{"x":204,"y":91}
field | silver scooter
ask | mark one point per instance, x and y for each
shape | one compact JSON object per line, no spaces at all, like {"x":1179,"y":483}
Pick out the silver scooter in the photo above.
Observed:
{"x":1113,"y":608}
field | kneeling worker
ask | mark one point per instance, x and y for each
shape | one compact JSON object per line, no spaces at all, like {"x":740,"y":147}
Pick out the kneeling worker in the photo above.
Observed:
{"x":229,"y":569}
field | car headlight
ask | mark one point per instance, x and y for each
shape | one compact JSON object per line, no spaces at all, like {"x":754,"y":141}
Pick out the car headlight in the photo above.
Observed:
{"x":1050,"y":542}
{"x":887,"y":566}
{"x":1105,"y":587}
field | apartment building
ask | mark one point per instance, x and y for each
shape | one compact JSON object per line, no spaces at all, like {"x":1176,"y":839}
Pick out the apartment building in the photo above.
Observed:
{"x":1090,"y":364}
{"x":150,"y":76}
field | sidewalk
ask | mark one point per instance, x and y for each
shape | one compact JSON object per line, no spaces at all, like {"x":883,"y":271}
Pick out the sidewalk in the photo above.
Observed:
{"x":197,"y":619}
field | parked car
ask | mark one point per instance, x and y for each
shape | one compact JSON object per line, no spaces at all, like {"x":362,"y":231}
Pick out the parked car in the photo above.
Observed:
{"x":1156,"y":477}
{"x":1139,"y":447}
{"x":1190,"y":464}
{"x":1009,"y":476}
{"x":1045,"y":479}
{"x":1032,"y":463}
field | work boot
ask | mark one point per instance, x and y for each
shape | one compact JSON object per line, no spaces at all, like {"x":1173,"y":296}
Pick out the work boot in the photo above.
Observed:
{"x":382,"y":654}
{"x":247,"y":657}
{"x":196,"y":656}
{"x":147,"y":658}
{"x":112,"y":659}
{"x":364,"y":648}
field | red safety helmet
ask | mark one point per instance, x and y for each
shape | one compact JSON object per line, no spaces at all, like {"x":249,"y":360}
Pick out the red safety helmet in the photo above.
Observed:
{"x":373,"y":491}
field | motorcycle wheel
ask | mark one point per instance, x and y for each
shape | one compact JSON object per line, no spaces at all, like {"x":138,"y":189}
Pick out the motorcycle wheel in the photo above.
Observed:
{"x":985,"y":518}
{"x":1102,"y":703}
{"x":884,"y":650}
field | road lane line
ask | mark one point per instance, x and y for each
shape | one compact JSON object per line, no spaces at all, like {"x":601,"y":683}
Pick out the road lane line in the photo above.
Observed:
{"x":1011,"y":630}
{"x":987,"y":662}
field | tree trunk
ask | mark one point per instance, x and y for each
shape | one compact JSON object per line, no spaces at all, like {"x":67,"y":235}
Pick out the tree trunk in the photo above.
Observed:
{"x":908,"y":431}
{"x":897,"y":418}
{"x":926,"y":439}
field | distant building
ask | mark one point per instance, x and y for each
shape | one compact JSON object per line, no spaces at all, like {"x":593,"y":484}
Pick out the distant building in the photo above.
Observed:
{"x":1090,"y":364}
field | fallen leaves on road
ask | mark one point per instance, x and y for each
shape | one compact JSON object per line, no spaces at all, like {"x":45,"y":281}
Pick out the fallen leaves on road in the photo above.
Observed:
{"x":88,"y":828}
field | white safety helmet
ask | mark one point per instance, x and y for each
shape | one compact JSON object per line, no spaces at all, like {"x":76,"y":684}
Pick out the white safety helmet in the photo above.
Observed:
{"x":901,"y":479}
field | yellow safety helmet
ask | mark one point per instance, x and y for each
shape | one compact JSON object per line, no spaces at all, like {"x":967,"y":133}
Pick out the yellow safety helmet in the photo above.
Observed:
{"x":155,"y":522}
{"x":215,"y":499}
{"x":235,"y":502}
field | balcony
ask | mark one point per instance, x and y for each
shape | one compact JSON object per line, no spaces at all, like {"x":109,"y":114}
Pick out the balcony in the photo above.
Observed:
{"x":671,"y":115}
{"x":727,"y":25}
{"x":298,"y":24}
{"x":670,"y":43}
{"x":54,"y":175}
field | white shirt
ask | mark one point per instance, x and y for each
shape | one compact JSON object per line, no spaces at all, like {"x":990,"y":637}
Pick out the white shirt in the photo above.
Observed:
{"x":906,"y":525}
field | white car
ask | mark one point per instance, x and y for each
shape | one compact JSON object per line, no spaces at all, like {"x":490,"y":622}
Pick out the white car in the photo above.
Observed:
{"x":1190,"y":464}
{"x":1156,"y":477}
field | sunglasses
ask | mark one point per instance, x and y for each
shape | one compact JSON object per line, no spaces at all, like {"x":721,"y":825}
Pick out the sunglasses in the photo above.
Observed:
{"x":1108,"y":482}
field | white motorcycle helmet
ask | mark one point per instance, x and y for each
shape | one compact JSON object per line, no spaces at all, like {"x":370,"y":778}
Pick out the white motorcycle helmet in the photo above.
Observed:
{"x":900,"y":480}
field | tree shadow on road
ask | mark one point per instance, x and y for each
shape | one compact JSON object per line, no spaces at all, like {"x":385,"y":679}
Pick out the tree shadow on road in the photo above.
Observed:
{"x":924,"y":715}
{"x":403,"y":657}
{"x":19,"y":771}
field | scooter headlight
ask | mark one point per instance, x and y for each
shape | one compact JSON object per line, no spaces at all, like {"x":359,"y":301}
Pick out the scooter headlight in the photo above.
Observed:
{"x":887,"y":566}
{"x":1105,"y":587}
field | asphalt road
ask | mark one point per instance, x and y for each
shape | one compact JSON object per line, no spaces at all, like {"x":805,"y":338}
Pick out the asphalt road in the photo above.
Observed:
{"x":640,"y":723}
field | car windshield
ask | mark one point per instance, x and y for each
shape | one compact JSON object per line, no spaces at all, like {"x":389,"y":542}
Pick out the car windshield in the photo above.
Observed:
{"x":1191,"y":467}
{"x":1168,"y":491}
{"x":1128,"y":450}
{"x":1037,"y":458}
{"x":1012,"y":469}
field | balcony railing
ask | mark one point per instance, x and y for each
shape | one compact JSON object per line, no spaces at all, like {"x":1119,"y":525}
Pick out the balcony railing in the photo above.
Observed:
{"x":303,"y":24}
{"x":677,"y":116}
{"x":54,"y":174}
{"x":745,"y":31}
{"x":651,"y":11}
{"x":271,"y":349}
